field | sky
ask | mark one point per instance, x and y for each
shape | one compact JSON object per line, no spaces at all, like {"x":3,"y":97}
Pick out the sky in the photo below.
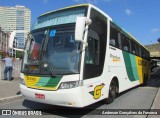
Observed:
{"x":141,"y":18}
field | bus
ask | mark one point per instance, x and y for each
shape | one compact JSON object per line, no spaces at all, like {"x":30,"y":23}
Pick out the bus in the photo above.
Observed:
{"x":77,"y":56}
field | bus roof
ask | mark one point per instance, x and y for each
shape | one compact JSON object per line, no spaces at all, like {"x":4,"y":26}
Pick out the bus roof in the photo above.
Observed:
{"x":79,"y":5}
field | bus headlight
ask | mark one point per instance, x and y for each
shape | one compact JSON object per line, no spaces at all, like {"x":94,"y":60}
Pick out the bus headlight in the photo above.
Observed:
{"x":68,"y":85}
{"x":22,"y":81}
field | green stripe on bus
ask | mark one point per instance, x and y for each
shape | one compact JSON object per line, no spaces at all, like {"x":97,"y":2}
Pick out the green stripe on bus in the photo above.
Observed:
{"x":130,"y":64}
{"x":48,"y":81}
{"x":134,"y":67}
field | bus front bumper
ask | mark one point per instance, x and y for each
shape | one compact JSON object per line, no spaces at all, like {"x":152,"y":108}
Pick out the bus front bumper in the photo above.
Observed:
{"x":63,"y":97}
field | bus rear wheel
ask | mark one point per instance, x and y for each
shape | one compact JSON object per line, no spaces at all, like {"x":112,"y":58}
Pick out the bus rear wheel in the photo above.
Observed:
{"x":112,"y":92}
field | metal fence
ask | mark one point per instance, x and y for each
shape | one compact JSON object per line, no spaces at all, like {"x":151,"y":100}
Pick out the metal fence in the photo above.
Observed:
{"x":16,"y":69}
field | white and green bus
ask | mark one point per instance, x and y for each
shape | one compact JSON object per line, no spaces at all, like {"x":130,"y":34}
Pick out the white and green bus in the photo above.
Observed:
{"x":77,"y":56}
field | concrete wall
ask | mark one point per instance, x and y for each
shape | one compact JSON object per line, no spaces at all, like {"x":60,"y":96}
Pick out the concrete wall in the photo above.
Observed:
{"x":16,"y":69}
{"x":154,"y":49}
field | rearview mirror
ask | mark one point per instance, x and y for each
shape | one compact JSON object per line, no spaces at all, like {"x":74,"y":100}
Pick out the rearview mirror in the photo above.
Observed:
{"x":81,"y":22}
{"x":11,"y":39}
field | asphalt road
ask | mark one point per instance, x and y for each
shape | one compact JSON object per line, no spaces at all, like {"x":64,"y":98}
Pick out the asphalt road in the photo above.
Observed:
{"x":140,"y":97}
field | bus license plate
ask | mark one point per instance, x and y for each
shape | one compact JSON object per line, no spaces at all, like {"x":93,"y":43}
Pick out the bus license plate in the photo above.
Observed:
{"x":39,"y":96}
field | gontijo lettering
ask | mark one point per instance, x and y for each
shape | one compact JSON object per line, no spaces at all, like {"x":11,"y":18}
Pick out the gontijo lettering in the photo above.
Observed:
{"x":115,"y":58}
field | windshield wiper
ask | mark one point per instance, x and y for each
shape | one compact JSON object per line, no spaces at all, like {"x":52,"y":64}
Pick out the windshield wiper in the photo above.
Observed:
{"x":49,"y":65}
{"x":32,"y":62}
{"x":41,"y":59}
{"x":44,"y":52}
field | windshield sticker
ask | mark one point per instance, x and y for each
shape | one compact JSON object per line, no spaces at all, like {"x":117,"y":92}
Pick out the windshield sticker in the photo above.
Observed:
{"x":52,"y":33}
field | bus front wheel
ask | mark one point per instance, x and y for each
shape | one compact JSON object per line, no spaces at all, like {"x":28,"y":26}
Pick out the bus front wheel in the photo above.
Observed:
{"x":112,"y":92}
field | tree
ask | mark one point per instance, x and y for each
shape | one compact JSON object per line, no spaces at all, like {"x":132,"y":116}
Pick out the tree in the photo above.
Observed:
{"x":19,"y":54}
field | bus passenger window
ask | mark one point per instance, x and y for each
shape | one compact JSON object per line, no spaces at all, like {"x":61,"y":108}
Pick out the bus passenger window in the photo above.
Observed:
{"x":143,"y":54}
{"x":112,"y":42}
{"x":125,"y":43}
{"x":134,"y":47}
{"x":114,"y":37}
{"x":125,"y":48}
{"x":133,"y":51}
{"x":139,"y":52}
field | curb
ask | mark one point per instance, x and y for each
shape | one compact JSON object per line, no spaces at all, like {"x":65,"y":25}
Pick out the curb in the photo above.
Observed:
{"x":155,"y":105}
{"x":10,"y":98}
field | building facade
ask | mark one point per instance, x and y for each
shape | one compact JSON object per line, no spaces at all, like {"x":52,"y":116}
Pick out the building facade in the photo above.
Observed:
{"x":3,"y":43}
{"x":154,"y":50}
{"x":16,"y":18}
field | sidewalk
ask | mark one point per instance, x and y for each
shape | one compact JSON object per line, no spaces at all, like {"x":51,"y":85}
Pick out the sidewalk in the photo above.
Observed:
{"x":156,"y":105}
{"x":156,"y":83}
{"x":9,"y":90}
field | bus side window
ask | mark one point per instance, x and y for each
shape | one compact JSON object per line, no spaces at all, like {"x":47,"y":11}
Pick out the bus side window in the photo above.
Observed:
{"x":147,"y":55}
{"x":134,"y":47}
{"x":125,"y":43}
{"x":120,"y":40}
{"x":112,"y":42}
{"x":139,"y":52}
{"x":114,"y":37}
{"x":143,"y":53}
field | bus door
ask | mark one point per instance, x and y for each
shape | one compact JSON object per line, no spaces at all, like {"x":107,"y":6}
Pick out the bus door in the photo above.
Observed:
{"x":93,"y":82}
{"x":91,"y":67}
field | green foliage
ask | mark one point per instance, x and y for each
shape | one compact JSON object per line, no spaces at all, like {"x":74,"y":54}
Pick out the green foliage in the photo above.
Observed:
{"x":19,"y":54}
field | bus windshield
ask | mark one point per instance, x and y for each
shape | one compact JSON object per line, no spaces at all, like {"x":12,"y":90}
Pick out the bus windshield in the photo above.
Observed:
{"x":52,"y":51}
{"x":51,"y":48}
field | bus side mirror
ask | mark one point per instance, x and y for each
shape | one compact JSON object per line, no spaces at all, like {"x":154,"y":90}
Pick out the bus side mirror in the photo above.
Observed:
{"x":81,"y":22}
{"x":11,"y":39}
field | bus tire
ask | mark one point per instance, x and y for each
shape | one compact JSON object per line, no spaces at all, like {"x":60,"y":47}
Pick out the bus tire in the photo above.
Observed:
{"x":112,"y":92}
